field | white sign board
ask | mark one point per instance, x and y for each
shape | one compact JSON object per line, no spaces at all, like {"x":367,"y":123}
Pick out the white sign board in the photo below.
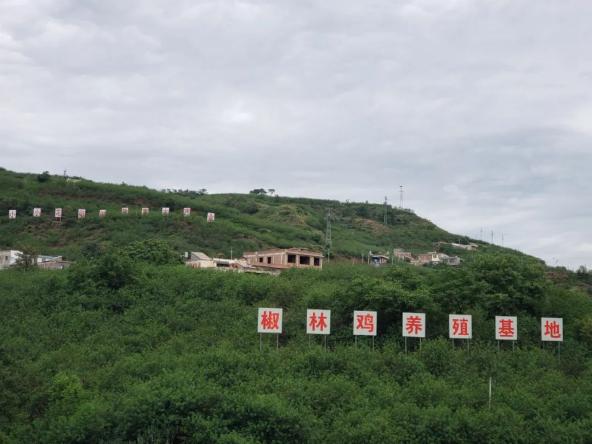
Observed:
{"x":166,"y":211}
{"x":318,"y":322}
{"x":552,"y":329}
{"x":145,"y":211}
{"x":211,"y":217}
{"x":81,"y":213}
{"x":506,"y":328}
{"x":365,"y":323}
{"x":460,"y":326}
{"x":414,"y":325}
{"x":269,"y":320}
{"x":36,"y":212}
{"x":58,"y":213}
{"x":12,"y":214}
{"x":186,"y":211}
{"x":125,"y":210}
{"x":102,"y":213}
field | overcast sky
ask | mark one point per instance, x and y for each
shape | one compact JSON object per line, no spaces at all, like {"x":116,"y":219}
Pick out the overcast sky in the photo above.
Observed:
{"x":481,"y":109}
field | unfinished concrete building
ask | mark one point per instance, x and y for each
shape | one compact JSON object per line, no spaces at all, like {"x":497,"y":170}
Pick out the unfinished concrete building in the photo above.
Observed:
{"x":285,"y":258}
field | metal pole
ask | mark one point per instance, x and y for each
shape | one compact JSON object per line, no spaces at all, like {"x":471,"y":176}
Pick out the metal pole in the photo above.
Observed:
{"x":260,"y":342}
{"x":325,"y":342}
{"x":277,"y":342}
{"x":559,"y":351}
{"x":356,"y":340}
{"x":372,"y":342}
{"x":490,"y":391}
{"x":405,"y":344}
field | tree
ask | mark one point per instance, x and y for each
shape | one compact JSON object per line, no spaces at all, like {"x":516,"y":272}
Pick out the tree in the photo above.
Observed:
{"x":27,"y":260}
{"x":271,"y":191}
{"x":43,"y":177}
{"x":258,"y":192}
{"x":153,"y":251}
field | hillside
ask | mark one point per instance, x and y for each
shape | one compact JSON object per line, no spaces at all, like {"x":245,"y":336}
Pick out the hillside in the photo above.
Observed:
{"x":243,"y":221}
{"x":130,"y":346}
{"x":119,"y":350}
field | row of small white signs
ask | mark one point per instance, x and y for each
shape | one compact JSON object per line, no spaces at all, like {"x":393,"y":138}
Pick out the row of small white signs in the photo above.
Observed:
{"x":102,"y":213}
{"x":318,"y":322}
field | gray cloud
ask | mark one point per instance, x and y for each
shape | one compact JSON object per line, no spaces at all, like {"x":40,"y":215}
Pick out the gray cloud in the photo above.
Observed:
{"x":483,"y":110}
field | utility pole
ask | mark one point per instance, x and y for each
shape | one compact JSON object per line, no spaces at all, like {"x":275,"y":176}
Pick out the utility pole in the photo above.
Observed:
{"x":400,"y":196}
{"x":491,"y":237}
{"x":385,"y":211}
{"x":328,"y":240}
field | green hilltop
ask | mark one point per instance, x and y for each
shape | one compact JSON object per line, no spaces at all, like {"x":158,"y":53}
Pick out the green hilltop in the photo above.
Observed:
{"x":244,"y":222}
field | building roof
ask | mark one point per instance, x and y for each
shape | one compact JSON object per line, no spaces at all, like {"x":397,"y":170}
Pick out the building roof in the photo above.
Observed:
{"x":283,"y":250}
{"x":200,"y":256}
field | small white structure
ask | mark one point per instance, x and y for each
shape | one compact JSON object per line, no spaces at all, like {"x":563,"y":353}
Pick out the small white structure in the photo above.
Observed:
{"x":12,"y":214}
{"x":186,"y":212}
{"x":102,"y":213}
{"x":197,"y":259}
{"x":81,"y":213}
{"x":52,"y":262}
{"x":9,"y":257}
{"x":211,"y":217}
{"x":165,"y":211}
{"x":401,"y":255}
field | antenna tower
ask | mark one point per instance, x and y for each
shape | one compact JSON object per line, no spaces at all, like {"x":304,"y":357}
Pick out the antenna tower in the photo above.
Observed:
{"x":400,"y":196}
{"x":385,"y":210}
{"x":328,"y":241}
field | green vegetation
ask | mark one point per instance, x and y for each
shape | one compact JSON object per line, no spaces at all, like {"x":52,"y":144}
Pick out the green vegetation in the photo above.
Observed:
{"x":130,"y":346}
{"x":244,"y":222}
{"x":117,"y":349}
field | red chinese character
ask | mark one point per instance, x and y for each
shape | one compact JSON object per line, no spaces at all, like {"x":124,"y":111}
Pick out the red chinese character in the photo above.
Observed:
{"x":552,"y":329}
{"x":320,"y":322}
{"x":506,"y":329}
{"x":365,"y":322}
{"x":270,"y":320}
{"x":413,"y":325}
{"x":460,"y":327}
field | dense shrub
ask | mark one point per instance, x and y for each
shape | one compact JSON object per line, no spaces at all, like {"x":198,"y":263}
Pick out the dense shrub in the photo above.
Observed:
{"x":120,"y":350}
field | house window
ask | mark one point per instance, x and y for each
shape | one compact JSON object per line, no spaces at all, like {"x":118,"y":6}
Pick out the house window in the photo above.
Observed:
{"x":261,"y":259}
{"x":304,"y":260}
{"x":291,"y":258}
{"x":269,"y":259}
{"x":317,"y":261}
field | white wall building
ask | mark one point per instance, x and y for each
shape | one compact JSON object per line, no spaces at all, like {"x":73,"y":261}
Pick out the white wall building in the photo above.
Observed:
{"x":9,"y":257}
